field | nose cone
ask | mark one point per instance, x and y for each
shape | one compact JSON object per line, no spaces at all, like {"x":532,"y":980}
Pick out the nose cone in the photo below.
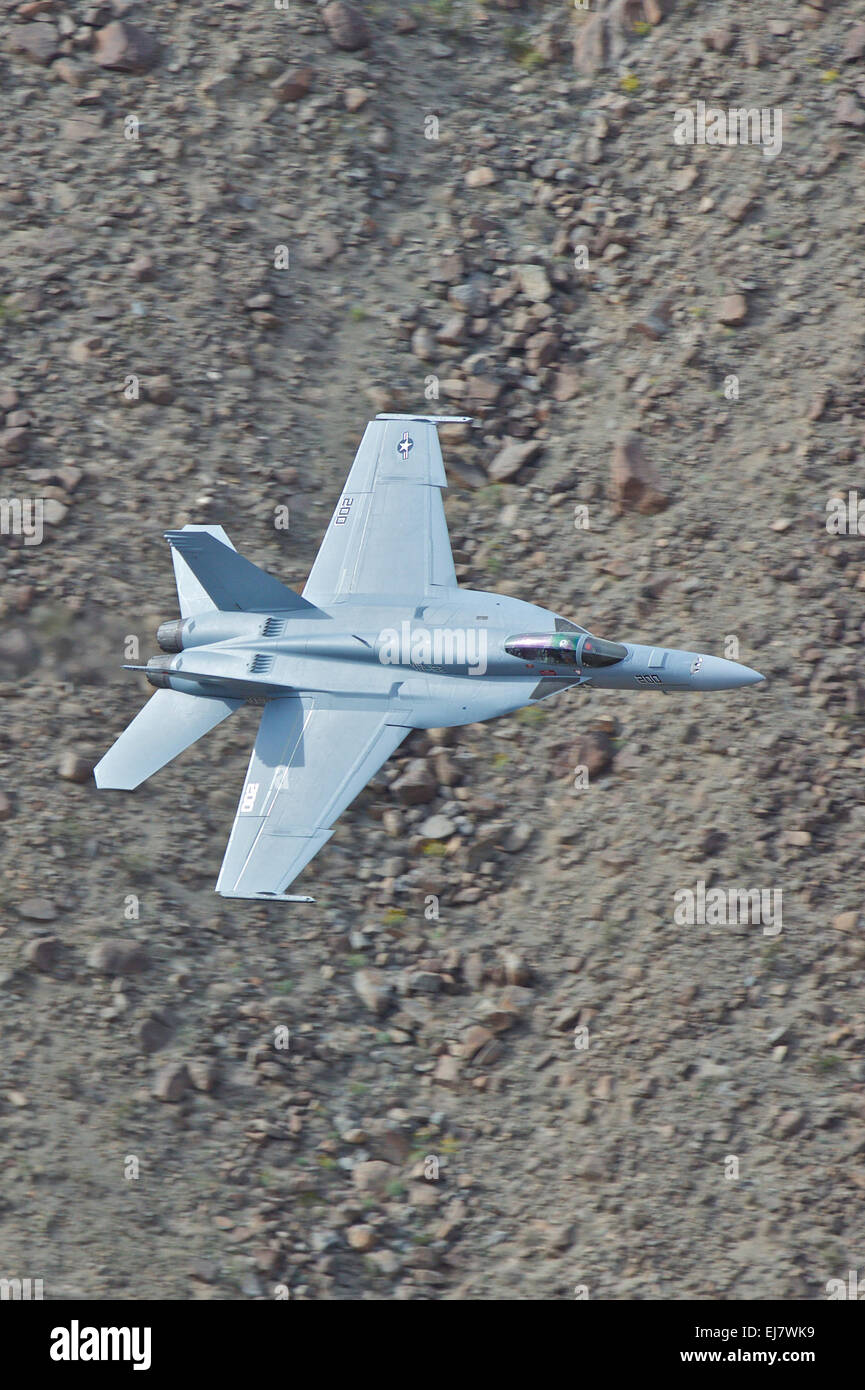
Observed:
{"x":715,"y":673}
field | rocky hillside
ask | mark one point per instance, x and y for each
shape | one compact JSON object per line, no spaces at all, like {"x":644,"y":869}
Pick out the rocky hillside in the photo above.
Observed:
{"x":493,"y":1061}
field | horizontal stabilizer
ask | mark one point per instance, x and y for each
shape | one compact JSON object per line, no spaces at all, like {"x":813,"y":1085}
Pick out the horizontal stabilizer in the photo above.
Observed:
{"x":231,"y":582}
{"x":169,"y":722}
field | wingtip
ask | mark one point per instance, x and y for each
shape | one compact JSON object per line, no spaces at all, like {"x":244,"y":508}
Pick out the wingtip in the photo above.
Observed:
{"x":268,"y":897}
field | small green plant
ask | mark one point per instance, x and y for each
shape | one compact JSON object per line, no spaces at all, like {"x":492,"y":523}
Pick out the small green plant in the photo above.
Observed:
{"x":531,"y":714}
{"x":519,"y":47}
{"x":827,"y":1063}
{"x":357,"y":313}
{"x":630,"y":83}
{"x":435,"y":849}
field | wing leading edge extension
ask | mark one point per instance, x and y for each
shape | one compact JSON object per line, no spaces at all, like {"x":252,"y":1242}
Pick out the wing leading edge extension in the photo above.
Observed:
{"x":311,"y":759}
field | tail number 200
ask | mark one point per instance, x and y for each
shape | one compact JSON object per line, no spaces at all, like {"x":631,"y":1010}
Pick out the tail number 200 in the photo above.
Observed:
{"x":648,"y":680}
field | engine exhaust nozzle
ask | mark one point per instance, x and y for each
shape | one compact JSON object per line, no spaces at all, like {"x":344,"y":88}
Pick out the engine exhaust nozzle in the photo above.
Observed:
{"x":170,"y":636}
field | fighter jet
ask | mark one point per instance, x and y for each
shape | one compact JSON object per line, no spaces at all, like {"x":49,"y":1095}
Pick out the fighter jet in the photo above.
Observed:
{"x":383,"y":640}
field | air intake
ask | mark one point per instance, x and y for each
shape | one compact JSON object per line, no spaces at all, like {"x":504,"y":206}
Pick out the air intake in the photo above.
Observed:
{"x":273,"y":627}
{"x":260,"y":663}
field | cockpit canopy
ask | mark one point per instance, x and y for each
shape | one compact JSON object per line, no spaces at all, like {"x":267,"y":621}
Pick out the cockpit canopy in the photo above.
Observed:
{"x":565,"y":649}
{"x":545,"y":648}
{"x":597,"y":652}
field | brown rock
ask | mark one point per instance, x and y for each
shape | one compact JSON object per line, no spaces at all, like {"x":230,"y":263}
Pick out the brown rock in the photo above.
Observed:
{"x":82,"y":349}
{"x":346,"y":25}
{"x":541,"y":348}
{"x":171,"y":1082}
{"x":417,"y":785}
{"x":568,"y":382}
{"x":849,"y":112}
{"x":854,"y":44}
{"x":160,"y":390}
{"x":481,"y":177}
{"x":733,"y":309}
{"x":78,"y":129}
{"x":789,"y":1123}
{"x":142,"y":267}
{"x":75,"y":769}
{"x":203,"y":1074}
{"x":447,"y":1070}
{"x":37,"y":42}
{"x":721,"y":39}
{"x":509,"y":460}
{"x":41,"y":952}
{"x":292,"y":85}
{"x":595,"y":752}
{"x":14,"y":441}
{"x":453,"y":330}
{"x":153,"y":1032}
{"x":517,"y":969}
{"x":360,"y":1237}
{"x":373,"y":989}
{"x":737,"y":207}
{"x":474,"y":1039}
{"x":373,"y":1175}
{"x":37,"y":909}
{"x":482,"y":392}
{"x":119,"y":955}
{"x":125,"y":48}
{"x":656,"y":323}
{"x":634,"y":480}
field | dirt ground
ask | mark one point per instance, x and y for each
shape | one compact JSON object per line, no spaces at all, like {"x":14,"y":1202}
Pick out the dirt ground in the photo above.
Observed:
{"x":499,"y":1064}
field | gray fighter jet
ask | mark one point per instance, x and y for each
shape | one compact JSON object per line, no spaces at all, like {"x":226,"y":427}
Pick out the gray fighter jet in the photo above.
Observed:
{"x":382,"y":641}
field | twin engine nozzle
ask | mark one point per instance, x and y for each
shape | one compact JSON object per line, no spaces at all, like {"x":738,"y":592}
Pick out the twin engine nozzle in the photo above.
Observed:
{"x":170,"y":636}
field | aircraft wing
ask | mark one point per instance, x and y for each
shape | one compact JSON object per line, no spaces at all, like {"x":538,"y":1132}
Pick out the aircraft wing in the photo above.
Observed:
{"x":313,"y":755}
{"x":388,"y":535}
